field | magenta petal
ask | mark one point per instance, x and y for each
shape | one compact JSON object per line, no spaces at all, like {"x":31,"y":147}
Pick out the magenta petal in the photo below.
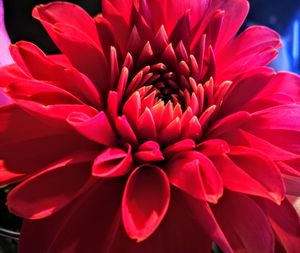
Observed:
{"x":113,"y":162}
{"x":145,"y":201}
{"x":5,"y":57}
{"x":244,"y":224}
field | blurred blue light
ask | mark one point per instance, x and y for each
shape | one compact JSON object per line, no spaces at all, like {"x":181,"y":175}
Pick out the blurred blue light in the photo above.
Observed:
{"x":295,"y":44}
{"x":289,"y":55}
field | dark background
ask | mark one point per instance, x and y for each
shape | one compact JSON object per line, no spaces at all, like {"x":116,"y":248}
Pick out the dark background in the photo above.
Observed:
{"x":21,"y":26}
{"x":276,"y":14}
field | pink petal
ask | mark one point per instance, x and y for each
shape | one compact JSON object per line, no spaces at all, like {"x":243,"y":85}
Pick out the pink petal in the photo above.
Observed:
{"x":244,"y":224}
{"x":145,"y":201}
{"x":50,"y":190}
{"x":113,"y":162}
{"x":5,"y":57}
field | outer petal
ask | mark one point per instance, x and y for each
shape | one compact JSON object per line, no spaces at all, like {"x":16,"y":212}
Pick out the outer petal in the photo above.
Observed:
{"x":36,"y":64}
{"x":244,"y":224}
{"x":26,"y":148}
{"x":99,"y":208}
{"x":278,"y":86}
{"x":285,"y":223}
{"x":184,"y":235}
{"x":5,"y":57}
{"x":145,"y":201}
{"x":61,"y":21}
{"x":68,"y":13}
{"x":96,"y":211}
{"x":235,"y":14}
{"x":48,"y":191}
{"x":245,"y":52}
{"x":246,"y":89}
{"x":278,"y":125}
{"x":254,"y":173}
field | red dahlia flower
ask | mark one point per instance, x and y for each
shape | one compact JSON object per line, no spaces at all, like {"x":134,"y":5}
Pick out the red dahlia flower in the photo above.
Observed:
{"x":155,"y":130}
